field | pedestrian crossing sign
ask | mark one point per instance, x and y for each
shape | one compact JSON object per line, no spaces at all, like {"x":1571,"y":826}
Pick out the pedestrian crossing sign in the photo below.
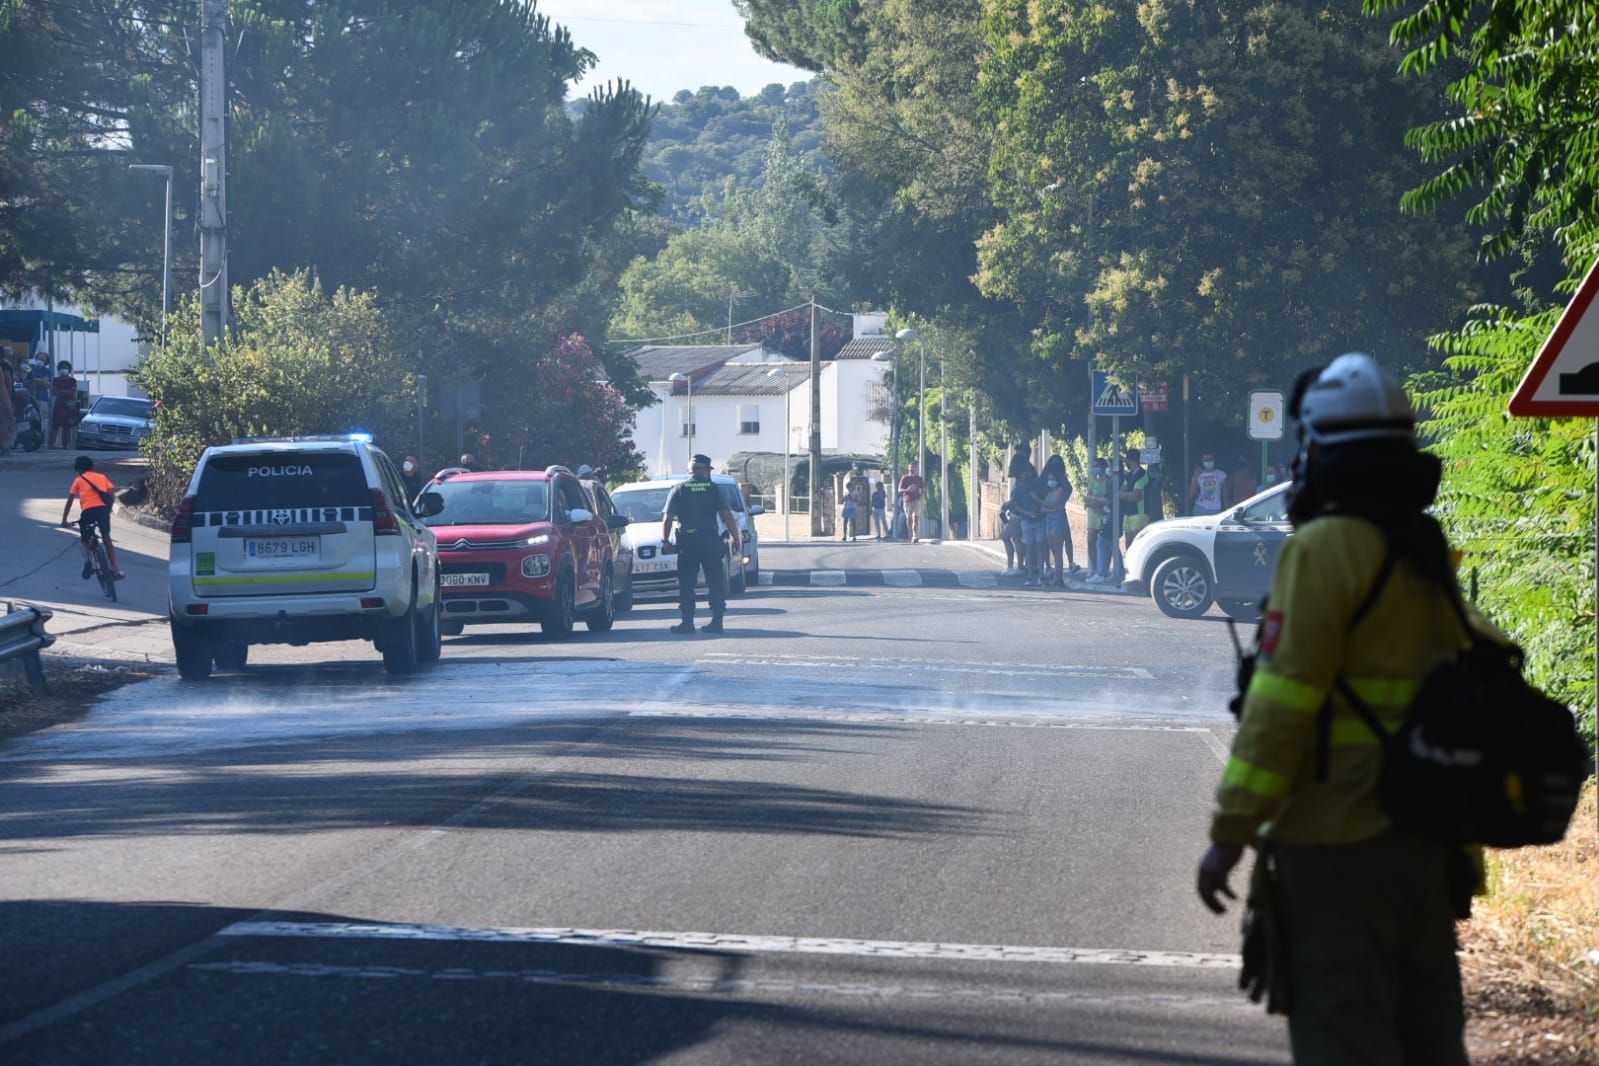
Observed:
{"x":1112,"y":397}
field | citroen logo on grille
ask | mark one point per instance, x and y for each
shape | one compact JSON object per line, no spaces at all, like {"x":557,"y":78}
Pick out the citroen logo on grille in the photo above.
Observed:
{"x":460,"y":545}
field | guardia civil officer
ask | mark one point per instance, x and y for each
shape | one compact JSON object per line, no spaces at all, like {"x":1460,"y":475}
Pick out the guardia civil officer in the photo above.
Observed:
{"x":695,"y":505}
{"x":1365,"y":913}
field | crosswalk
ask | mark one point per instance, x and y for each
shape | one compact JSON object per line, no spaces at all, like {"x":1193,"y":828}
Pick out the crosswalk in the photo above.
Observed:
{"x":902,"y":579}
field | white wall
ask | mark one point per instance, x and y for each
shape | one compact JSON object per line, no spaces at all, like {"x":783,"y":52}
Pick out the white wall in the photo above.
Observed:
{"x":716,"y":429}
{"x":846,"y":407}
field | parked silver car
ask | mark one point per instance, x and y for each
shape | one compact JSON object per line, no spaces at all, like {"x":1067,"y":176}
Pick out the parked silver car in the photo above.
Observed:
{"x":116,"y":422}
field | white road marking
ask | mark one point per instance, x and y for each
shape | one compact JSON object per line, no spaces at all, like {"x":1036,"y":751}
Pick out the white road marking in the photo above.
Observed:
{"x":709,"y":984}
{"x":1009,"y":669}
{"x":1217,"y":748}
{"x":977,"y":579}
{"x":904,"y":579}
{"x":829,"y":578}
{"x":765,"y":577}
{"x":929,"y":717}
{"x":735,"y":943}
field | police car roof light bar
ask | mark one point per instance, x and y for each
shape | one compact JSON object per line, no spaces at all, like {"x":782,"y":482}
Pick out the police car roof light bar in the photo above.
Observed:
{"x":337,"y":438}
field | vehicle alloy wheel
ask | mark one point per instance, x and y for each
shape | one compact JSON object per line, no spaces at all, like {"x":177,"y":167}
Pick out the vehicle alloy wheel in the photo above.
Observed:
{"x":603,"y":616}
{"x":1181,"y":587}
{"x":562,"y":618}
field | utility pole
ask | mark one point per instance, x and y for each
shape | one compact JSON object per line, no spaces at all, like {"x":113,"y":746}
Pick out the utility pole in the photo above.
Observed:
{"x":974,"y":502}
{"x":213,"y":171}
{"x":816,"y":428}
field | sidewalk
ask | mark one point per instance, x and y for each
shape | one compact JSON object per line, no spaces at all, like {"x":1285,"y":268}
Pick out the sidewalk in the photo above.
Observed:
{"x":996,"y":551}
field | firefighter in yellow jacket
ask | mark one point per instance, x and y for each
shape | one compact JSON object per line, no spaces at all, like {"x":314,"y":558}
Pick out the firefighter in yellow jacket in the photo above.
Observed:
{"x":1365,"y":912}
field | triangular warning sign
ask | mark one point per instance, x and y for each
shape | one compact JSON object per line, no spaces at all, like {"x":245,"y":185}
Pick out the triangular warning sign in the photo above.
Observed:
{"x":1564,"y":377}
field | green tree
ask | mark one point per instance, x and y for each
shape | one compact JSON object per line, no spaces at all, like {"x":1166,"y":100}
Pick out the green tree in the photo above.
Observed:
{"x":1209,"y":189}
{"x":297,"y":362}
{"x":1516,"y":137}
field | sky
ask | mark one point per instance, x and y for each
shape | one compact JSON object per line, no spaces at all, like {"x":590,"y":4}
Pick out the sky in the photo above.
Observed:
{"x":661,"y":46}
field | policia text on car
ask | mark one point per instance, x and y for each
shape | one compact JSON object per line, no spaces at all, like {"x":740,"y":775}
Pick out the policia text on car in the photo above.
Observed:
{"x":695,"y":505}
{"x":1351,"y":918}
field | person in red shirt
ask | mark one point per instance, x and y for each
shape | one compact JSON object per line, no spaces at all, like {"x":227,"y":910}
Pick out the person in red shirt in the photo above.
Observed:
{"x":92,"y":490}
{"x":911,"y":490}
{"x":64,"y":413}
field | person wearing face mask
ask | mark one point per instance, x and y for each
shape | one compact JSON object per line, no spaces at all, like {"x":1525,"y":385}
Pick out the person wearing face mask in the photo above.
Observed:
{"x":411,"y":474}
{"x":1057,"y":489}
{"x":1206,"y":487}
{"x":1273,"y":475}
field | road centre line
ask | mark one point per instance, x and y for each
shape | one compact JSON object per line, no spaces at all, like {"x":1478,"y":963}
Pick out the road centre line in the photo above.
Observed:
{"x":829,"y":578}
{"x":724,"y":985}
{"x":731,"y":943}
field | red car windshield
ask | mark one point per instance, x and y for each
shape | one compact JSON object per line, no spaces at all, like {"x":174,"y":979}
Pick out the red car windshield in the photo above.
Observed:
{"x":491,"y":503}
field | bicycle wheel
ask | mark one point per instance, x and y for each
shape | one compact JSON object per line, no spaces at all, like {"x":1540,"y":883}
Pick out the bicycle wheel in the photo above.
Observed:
{"x":102,"y":568}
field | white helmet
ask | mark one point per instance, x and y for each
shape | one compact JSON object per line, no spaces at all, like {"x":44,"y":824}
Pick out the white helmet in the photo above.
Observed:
{"x":1354,"y":399}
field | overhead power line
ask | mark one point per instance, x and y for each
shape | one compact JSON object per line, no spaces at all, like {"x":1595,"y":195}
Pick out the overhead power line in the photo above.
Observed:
{"x":718,"y":329}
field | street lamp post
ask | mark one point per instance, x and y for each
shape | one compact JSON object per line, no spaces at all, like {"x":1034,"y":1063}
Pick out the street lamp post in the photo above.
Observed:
{"x":166,"y":242}
{"x":788,"y":441}
{"x":888,"y":356}
{"x":688,"y":416}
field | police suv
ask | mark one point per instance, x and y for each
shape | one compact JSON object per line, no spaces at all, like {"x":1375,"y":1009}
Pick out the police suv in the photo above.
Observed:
{"x":1186,"y":564}
{"x":299,"y":539}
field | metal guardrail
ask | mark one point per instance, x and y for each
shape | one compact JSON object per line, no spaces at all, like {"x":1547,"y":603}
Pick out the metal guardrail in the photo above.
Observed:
{"x":22,"y":636}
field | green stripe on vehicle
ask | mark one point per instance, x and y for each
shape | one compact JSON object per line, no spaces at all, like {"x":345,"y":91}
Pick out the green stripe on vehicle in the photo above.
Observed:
{"x":282,"y":579}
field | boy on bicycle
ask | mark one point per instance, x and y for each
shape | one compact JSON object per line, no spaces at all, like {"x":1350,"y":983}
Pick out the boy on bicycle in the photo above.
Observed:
{"x":93,"y":491}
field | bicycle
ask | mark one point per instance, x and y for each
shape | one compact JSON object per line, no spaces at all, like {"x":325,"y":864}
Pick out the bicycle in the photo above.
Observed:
{"x":102,"y":565}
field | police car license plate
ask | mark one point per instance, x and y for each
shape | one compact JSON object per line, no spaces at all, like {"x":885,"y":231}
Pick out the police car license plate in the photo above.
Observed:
{"x":654,"y":566}
{"x":283,"y":547}
{"x":457,"y":581}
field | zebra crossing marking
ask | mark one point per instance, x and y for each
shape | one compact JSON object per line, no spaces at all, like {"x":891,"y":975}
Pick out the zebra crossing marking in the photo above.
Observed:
{"x":903,"y":579}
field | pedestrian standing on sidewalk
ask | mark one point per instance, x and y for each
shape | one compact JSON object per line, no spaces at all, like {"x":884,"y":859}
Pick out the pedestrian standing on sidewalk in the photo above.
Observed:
{"x":1243,"y":485}
{"x":911,"y":490}
{"x":1010,"y":535}
{"x":846,"y":528}
{"x":1057,"y":489}
{"x":1025,"y":505}
{"x":64,"y":412}
{"x":879,"y":511}
{"x":1140,"y":496}
{"x":1206,"y":487}
{"x":1097,"y":505}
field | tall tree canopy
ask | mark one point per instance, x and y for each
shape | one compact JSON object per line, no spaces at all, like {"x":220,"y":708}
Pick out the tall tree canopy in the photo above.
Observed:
{"x":1210,"y":188}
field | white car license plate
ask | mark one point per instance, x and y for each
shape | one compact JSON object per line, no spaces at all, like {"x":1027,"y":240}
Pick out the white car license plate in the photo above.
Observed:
{"x":654,"y":566}
{"x":460,"y":581}
{"x":283,"y":547}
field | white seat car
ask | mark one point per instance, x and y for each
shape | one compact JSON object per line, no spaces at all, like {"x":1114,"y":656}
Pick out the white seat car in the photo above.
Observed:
{"x":655,"y":571}
{"x":1186,"y":564}
{"x":295,"y":540}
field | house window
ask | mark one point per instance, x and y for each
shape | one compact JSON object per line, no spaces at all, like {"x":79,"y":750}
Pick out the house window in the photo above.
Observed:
{"x":749,"y":419}
{"x":688,"y":422}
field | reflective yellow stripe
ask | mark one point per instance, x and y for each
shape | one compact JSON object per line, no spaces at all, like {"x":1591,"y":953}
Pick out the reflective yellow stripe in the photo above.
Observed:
{"x":282,"y":579}
{"x":1289,"y":693}
{"x":1256,"y":779}
{"x":1385,"y":691}
{"x":1353,"y":733}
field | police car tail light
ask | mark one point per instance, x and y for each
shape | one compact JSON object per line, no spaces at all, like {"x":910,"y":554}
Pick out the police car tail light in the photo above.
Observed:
{"x":383,"y":520}
{"x":183,"y":522}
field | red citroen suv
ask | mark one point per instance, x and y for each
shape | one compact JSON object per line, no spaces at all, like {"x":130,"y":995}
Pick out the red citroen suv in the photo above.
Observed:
{"x":522,"y":545}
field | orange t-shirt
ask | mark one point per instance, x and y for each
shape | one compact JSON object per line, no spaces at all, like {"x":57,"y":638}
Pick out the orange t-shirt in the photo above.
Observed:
{"x":92,"y":489}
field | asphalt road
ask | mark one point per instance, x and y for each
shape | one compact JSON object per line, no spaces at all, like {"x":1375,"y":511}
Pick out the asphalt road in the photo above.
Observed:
{"x":874,"y":822}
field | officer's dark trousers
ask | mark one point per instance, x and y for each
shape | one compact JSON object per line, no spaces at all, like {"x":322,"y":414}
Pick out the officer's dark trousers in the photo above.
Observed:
{"x":1371,"y":953}
{"x":694,"y":553}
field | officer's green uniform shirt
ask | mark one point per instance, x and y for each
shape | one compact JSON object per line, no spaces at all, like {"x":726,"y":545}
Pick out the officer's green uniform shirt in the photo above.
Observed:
{"x":695,"y":505}
{"x":1324,"y":573}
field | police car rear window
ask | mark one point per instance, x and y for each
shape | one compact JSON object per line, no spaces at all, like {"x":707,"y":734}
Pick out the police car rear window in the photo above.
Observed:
{"x":306,"y":479}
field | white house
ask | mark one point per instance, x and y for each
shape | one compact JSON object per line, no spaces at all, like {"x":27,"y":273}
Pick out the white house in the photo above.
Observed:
{"x":742,"y":398}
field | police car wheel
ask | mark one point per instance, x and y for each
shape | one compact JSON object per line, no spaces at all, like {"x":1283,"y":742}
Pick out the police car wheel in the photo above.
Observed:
{"x":431,"y":638}
{"x":1181,"y":587}
{"x":401,"y":646}
{"x":193,"y":652}
{"x":1240,"y":610}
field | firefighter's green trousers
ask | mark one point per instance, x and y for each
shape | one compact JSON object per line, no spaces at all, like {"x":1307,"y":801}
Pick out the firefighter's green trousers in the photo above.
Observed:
{"x":1371,"y":953}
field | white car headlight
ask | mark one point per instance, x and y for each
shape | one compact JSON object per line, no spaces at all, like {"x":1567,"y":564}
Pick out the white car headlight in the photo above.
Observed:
{"x":537,"y":539}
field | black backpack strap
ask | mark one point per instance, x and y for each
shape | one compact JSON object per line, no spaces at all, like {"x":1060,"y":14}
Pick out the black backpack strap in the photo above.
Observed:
{"x":1324,"y":715}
